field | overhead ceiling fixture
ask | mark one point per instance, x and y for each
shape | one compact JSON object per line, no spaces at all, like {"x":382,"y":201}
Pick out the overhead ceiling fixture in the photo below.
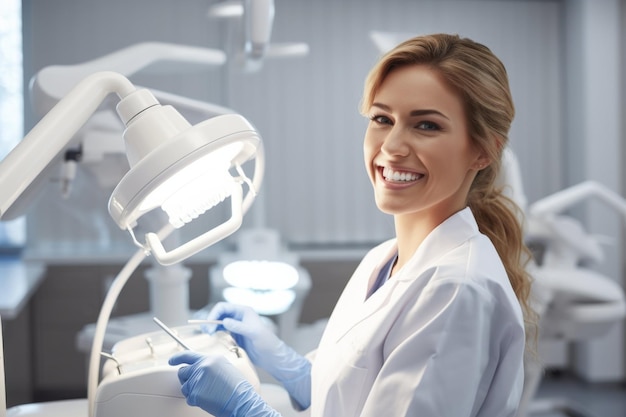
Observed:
{"x":256,"y":20}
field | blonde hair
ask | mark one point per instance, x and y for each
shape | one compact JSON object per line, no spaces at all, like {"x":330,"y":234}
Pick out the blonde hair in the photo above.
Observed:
{"x":481,"y":80}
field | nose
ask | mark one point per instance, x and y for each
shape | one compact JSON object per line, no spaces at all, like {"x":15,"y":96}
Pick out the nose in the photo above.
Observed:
{"x":396,"y":143}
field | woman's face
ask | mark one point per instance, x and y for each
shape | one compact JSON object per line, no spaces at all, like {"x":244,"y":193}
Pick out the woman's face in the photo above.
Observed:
{"x":417,"y":149}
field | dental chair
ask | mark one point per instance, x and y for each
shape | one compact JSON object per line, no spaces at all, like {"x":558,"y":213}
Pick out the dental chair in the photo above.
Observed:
{"x":575,"y":303}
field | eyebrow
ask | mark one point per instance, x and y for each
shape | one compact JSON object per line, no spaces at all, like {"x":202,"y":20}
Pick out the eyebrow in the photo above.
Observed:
{"x":413,"y":113}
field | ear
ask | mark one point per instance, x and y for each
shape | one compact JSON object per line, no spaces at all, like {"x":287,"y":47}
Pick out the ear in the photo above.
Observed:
{"x":481,"y":162}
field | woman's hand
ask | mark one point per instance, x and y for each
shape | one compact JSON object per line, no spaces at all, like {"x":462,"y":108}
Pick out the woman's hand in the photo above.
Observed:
{"x":265,"y":349}
{"x":212,"y":383}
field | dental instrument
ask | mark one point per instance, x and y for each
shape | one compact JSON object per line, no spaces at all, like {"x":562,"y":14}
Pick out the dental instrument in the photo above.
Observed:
{"x":171,"y":333}
{"x":197,"y":321}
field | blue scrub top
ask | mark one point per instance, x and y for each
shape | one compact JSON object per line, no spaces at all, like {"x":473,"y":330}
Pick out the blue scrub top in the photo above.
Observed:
{"x":383,"y":275}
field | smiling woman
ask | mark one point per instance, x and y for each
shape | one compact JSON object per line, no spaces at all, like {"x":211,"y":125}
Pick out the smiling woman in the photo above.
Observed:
{"x":448,"y":295}
{"x":12,"y":234}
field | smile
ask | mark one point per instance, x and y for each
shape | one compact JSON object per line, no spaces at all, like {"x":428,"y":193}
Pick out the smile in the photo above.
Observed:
{"x":399,"y":176}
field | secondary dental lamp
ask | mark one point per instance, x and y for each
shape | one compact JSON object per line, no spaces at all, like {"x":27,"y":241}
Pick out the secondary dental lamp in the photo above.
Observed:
{"x":182,"y":169}
{"x":261,"y":274}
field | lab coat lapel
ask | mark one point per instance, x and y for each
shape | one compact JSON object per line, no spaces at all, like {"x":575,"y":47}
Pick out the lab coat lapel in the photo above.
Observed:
{"x":352,"y":304}
{"x":360,"y":309}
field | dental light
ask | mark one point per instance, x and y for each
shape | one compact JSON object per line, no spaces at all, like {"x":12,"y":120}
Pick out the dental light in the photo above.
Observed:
{"x":183,"y":169}
{"x":168,"y":159}
{"x":98,"y":149}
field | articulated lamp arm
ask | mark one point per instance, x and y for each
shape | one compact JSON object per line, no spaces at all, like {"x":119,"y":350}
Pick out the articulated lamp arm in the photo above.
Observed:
{"x":54,"y":82}
{"x":50,"y":136}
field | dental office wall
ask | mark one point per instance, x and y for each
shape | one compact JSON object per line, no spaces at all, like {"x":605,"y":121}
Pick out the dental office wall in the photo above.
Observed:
{"x":316,"y":192}
{"x":594,"y":148}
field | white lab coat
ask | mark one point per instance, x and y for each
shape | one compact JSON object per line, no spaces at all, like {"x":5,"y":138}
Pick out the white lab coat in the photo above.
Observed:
{"x":444,"y":337}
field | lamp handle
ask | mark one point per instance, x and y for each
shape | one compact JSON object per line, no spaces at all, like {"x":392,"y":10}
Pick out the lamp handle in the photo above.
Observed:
{"x":203,"y":241}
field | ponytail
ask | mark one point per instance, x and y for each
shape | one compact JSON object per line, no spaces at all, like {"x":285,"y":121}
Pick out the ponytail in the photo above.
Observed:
{"x":499,"y":218}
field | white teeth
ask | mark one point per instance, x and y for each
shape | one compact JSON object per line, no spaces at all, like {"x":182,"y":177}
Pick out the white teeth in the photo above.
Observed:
{"x":392,"y":175}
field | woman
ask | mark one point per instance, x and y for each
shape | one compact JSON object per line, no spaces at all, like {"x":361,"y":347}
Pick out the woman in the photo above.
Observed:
{"x":432,"y":321}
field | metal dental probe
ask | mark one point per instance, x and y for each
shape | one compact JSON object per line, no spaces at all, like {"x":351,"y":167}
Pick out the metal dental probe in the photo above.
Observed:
{"x":171,"y":333}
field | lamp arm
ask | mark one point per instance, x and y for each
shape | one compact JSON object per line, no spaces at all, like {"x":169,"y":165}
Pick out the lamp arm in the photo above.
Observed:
{"x":52,"y":83}
{"x":112,"y":295}
{"x":568,"y":197}
{"x":53,"y":132}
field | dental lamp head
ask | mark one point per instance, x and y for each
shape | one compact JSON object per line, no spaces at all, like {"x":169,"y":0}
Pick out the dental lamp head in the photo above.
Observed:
{"x":182,"y":169}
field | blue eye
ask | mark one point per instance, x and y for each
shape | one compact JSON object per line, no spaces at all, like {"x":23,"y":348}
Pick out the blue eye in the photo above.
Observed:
{"x":381,"y":120}
{"x":428,"y":126}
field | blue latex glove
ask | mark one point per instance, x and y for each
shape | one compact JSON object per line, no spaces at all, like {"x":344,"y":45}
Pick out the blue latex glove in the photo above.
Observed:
{"x":265,"y":349}
{"x":212,"y":383}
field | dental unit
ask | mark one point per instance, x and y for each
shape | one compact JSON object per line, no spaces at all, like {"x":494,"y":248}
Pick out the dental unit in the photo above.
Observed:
{"x":169,"y":159}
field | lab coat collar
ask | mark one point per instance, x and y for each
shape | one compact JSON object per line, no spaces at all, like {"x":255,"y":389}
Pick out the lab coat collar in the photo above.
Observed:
{"x":453,"y":232}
